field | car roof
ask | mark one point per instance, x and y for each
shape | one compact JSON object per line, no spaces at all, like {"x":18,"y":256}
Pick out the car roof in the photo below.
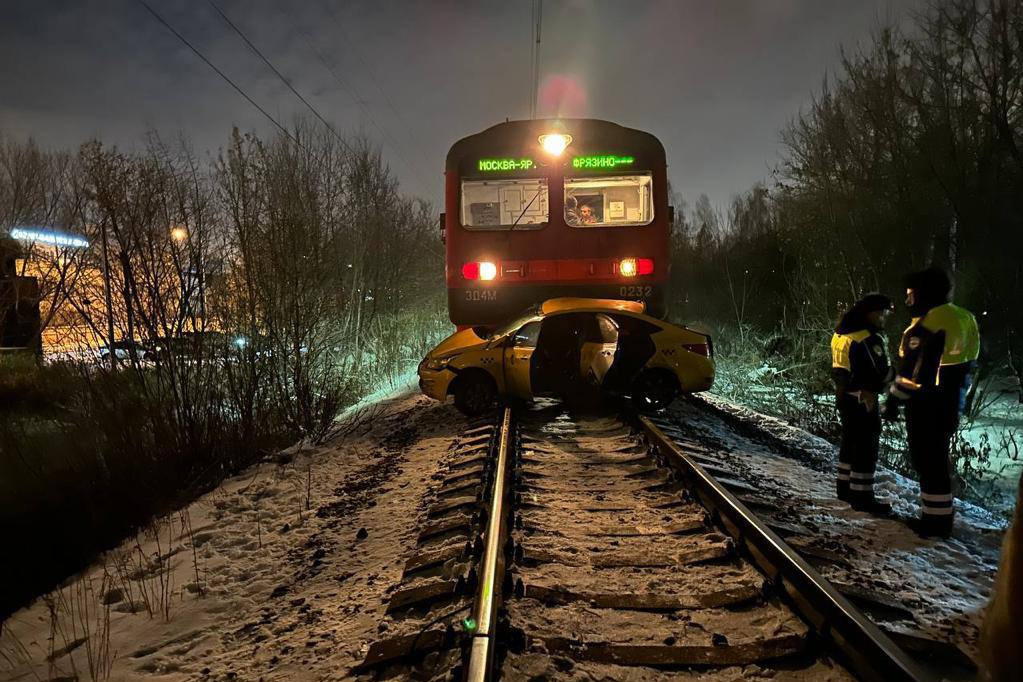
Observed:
{"x":563,"y":305}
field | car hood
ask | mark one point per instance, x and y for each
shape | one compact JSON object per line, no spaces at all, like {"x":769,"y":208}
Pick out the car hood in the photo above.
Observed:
{"x":457,"y":343}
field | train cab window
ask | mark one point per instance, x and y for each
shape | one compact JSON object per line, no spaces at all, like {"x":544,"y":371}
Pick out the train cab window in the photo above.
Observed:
{"x":521,"y":203}
{"x":625,"y":200}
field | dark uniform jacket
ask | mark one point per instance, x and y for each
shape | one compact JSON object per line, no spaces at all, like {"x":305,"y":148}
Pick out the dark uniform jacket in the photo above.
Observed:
{"x":859,"y":360}
{"x":937,"y":354}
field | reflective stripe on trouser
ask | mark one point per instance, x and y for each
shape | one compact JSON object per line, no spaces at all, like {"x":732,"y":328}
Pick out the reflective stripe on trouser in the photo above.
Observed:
{"x":857,"y":456}
{"x":861,"y":481}
{"x":842,"y":482}
{"x":937,"y":505}
{"x":931,"y":421}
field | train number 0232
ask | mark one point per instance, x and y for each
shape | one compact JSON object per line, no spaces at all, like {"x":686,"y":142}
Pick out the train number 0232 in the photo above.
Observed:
{"x":481,"y":295}
{"x":635,"y":291}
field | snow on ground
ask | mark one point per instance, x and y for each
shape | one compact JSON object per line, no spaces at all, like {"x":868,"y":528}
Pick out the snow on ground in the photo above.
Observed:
{"x":904,"y":493}
{"x":280,"y":573}
{"x":945,"y":584}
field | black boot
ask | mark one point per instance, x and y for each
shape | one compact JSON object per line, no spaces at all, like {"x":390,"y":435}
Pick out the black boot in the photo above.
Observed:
{"x":932,"y":526}
{"x":842,"y":489}
{"x":872,"y":505}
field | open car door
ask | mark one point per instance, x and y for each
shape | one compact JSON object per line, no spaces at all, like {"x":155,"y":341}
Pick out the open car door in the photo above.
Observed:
{"x":598,"y":350}
{"x":518,"y":352}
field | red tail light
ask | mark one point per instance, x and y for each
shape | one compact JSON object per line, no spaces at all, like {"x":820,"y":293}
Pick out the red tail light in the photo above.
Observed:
{"x":483,"y":270}
{"x":630,"y":267}
{"x":698,"y":348}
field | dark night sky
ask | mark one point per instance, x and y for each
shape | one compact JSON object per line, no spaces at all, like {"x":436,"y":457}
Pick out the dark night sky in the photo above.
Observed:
{"x":715,"y":80}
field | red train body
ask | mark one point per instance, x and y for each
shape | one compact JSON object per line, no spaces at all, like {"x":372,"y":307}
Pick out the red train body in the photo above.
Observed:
{"x":524,"y":224}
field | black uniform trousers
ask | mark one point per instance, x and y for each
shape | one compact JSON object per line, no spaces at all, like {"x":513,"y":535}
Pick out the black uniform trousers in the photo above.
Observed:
{"x":857,"y":455}
{"x":932,"y":417}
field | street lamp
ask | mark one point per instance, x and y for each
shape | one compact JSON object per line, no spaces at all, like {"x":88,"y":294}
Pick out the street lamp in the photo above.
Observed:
{"x":179,"y":234}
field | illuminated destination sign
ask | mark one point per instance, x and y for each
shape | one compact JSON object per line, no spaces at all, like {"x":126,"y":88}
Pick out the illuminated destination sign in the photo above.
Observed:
{"x":602,"y":161}
{"x":490,"y":165}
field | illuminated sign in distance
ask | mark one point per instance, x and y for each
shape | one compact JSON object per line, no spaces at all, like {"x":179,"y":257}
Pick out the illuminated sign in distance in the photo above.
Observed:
{"x":49,"y":236}
{"x":602,"y":161}
{"x":490,"y":165}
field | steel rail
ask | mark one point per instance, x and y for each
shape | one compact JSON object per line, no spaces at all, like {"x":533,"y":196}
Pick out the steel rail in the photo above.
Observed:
{"x":488,"y":596}
{"x":872,"y":655}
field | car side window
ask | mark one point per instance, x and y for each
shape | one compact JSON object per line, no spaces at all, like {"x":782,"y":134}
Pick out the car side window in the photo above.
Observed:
{"x":634,"y":325}
{"x":527,"y":335}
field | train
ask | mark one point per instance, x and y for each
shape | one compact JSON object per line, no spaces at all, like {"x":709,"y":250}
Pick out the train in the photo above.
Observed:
{"x":547,"y":208}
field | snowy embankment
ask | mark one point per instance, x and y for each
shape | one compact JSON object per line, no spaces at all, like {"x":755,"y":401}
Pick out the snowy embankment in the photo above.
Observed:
{"x":941,"y":586}
{"x":902,"y":492}
{"x":281,"y":573}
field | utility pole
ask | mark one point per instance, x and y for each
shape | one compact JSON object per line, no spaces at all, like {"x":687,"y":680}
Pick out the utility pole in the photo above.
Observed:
{"x":106,"y":294}
{"x":537,"y":21}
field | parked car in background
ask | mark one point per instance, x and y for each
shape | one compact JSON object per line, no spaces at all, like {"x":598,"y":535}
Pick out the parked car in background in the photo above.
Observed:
{"x":124,"y":349}
{"x":211,"y":345}
{"x":569,"y":343}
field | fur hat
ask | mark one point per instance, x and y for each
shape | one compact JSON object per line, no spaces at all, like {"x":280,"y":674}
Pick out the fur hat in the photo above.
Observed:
{"x":931,"y":288}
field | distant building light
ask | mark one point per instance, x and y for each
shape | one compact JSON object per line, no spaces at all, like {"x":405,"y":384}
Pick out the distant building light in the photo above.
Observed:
{"x":51,"y":237}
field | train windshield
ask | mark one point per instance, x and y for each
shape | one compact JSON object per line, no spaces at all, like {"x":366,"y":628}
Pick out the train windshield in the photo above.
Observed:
{"x":505,"y":203}
{"x":619,"y":200}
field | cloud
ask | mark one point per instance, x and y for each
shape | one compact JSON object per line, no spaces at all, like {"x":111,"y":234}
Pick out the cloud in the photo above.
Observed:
{"x":716,"y":81}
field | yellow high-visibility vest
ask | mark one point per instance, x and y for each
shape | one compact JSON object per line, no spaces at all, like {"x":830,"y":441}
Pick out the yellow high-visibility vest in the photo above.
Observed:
{"x":962,"y":338}
{"x":840,"y":345}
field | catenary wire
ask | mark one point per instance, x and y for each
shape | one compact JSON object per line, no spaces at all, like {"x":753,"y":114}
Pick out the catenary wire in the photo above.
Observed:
{"x":219,"y":72}
{"x":376,"y":81}
{"x":280,"y":75}
{"x":348,"y":88}
{"x":306,"y":102}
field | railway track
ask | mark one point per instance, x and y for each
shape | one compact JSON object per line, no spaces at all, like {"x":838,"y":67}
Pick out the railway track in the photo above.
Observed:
{"x":820,"y":531}
{"x":560,"y":547}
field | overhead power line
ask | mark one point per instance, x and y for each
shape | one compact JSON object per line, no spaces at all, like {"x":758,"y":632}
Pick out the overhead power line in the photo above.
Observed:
{"x":536,"y":20}
{"x":220,"y":73}
{"x":280,"y":75}
{"x":306,"y":102}
{"x":348,"y":88}
{"x":376,"y":81}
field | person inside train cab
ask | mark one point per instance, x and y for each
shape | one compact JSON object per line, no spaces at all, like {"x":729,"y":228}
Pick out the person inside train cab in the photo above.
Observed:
{"x":586,"y":215}
{"x":937,"y":357}
{"x":861,"y":372}
{"x":572,"y":210}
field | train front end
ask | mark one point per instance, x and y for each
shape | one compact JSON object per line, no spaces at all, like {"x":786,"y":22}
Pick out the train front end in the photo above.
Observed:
{"x":541,"y":209}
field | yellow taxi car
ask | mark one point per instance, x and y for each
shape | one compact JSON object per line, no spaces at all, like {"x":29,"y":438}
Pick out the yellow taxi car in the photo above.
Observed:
{"x":565,"y":345}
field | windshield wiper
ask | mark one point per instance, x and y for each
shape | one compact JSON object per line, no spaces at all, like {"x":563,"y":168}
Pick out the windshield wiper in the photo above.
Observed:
{"x":525,"y":209}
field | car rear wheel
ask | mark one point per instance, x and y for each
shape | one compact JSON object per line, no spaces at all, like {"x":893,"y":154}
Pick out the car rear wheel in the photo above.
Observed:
{"x":654,"y":390}
{"x":475,"y":393}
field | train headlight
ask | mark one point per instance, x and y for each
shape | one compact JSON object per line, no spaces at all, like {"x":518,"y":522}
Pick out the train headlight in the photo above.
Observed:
{"x":630,"y":267}
{"x":488,"y":271}
{"x":482,"y":270}
{"x":555,"y":143}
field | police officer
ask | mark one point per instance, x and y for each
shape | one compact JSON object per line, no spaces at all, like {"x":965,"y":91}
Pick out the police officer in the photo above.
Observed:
{"x":861,"y":372}
{"x":937,"y":357}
